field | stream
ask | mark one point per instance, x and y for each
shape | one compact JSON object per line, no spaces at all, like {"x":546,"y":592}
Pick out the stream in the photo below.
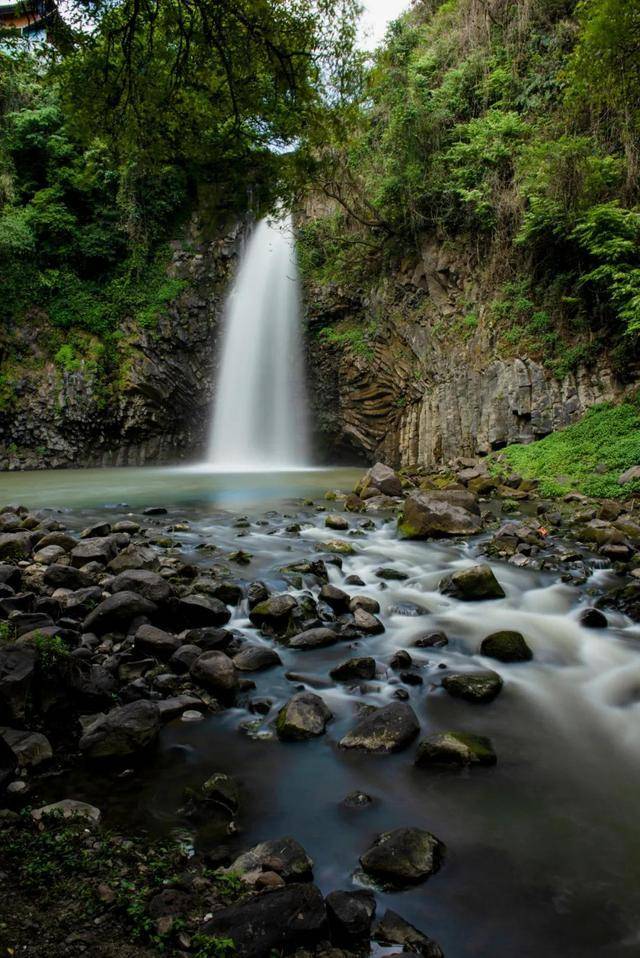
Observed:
{"x":543,"y":850}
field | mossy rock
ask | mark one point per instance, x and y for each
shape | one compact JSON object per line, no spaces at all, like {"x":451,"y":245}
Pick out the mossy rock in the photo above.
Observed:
{"x":455,"y":749}
{"x":506,"y":646}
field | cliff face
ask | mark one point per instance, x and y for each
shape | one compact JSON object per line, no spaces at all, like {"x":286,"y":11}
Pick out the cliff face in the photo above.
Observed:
{"x":156,"y":407}
{"x":407,"y":381}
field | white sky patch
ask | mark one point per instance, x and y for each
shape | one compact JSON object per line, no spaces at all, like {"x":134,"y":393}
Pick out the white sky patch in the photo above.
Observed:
{"x":376,"y":17}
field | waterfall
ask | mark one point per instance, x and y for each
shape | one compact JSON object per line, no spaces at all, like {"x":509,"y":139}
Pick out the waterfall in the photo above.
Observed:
{"x":259,"y":410}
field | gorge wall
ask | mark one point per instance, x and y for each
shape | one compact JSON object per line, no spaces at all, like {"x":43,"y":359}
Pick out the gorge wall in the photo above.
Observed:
{"x":394,"y":373}
{"x":397,"y":374}
{"x":154,"y":407}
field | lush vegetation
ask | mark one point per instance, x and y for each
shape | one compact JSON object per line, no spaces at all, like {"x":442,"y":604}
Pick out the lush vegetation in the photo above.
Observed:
{"x":511,"y":132}
{"x":588,"y":456}
{"x":108,"y":134}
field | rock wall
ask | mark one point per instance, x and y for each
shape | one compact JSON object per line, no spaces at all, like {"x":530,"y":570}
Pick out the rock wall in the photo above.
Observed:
{"x":157,"y":409}
{"x":421,"y":386}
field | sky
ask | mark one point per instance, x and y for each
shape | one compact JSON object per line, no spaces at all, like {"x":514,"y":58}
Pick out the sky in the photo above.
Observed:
{"x":377,"y":14}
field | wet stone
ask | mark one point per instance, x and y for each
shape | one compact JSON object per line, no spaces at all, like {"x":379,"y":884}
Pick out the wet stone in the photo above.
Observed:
{"x":506,"y":646}
{"x":477,"y":687}
{"x":356,"y":668}
{"x":403,"y":856}
{"x":388,"y":729}
{"x":455,"y":749}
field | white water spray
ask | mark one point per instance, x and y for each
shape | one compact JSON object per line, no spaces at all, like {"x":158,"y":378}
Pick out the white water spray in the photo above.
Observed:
{"x":259,"y":412}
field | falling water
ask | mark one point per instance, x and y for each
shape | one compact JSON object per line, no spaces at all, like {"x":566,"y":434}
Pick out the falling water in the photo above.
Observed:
{"x":259,"y":414}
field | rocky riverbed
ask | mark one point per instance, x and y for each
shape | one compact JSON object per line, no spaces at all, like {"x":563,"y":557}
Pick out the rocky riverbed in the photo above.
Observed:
{"x":370,"y":722}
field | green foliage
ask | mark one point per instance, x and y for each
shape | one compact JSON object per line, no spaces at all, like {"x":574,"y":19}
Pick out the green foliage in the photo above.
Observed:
{"x":608,"y":437}
{"x":357,"y":338}
{"x":51,"y":649}
{"x":7,"y":633}
{"x":511,"y":131}
{"x":210,"y":947}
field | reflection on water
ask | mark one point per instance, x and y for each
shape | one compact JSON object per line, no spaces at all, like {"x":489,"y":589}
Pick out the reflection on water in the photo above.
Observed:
{"x":136,"y":487}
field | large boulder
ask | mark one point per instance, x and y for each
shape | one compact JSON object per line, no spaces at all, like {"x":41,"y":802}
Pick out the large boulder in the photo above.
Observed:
{"x":379,"y":478}
{"x":388,"y":729}
{"x":439,"y":514}
{"x":477,"y":687}
{"x":350,"y":915}
{"x":215,"y":671}
{"x":156,"y":641}
{"x":275,"y":922}
{"x":363,"y":667}
{"x":196,"y":611}
{"x":122,"y":732}
{"x":146,"y":583}
{"x":17,"y":671}
{"x":66,"y":577}
{"x":117,"y":611}
{"x":275,"y":614}
{"x":472,"y":585}
{"x":284,"y":856}
{"x":455,"y":749}
{"x":313,"y":639}
{"x":133,"y":557}
{"x":394,"y":930}
{"x":100,"y":550}
{"x":30,"y":748}
{"x":403,"y":856}
{"x":15,"y":545}
{"x":304,"y":716}
{"x":506,"y":646}
{"x":256,"y":658}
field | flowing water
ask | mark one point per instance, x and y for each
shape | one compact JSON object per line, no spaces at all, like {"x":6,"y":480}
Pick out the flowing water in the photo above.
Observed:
{"x":543,"y":851}
{"x":259,"y":414}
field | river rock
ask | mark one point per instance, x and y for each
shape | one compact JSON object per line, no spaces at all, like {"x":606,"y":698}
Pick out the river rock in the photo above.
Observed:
{"x":367,"y":623}
{"x":133,"y":557}
{"x":455,"y":748}
{"x":506,"y":646}
{"x":215,"y":671}
{"x":394,"y":930}
{"x":372,"y":606}
{"x":156,"y":641}
{"x":15,"y":545}
{"x":350,"y":915}
{"x":222,"y":788}
{"x":284,"y":856}
{"x":379,"y":478}
{"x":357,"y":668}
{"x":473,"y":686}
{"x":277,"y":921}
{"x":122,"y":732}
{"x":68,"y":808}
{"x":48,"y":555}
{"x":93,"y":550}
{"x":337,"y":522}
{"x":403,"y":856}
{"x":593,"y":619}
{"x":256,"y":658}
{"x":116,"y":612}
{"x":274,"y":615}
{"x":439,"y":514}
{"x":194,"y":611}
{"x":388,"y":729}
{"x":59,"y":538}
{"x":79,"y":603}
{"x":473,"y":584}
{"x":146,"y":583}
{"x":184,"y":657}
{"x":66,"y":577}
{"x":335,"y":597}
{"x":629,"y":475}
{"x":256,"y":592}
{"x":313,"y":639}
{"x":17,"y":672}
{"x":30,"y":748}
{"x":227,"y":592}
{"x":304,"y":716}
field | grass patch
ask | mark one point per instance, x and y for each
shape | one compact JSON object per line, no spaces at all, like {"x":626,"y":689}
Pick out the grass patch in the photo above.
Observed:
{"x":355,"y":338}
{"x":606,"y":439}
